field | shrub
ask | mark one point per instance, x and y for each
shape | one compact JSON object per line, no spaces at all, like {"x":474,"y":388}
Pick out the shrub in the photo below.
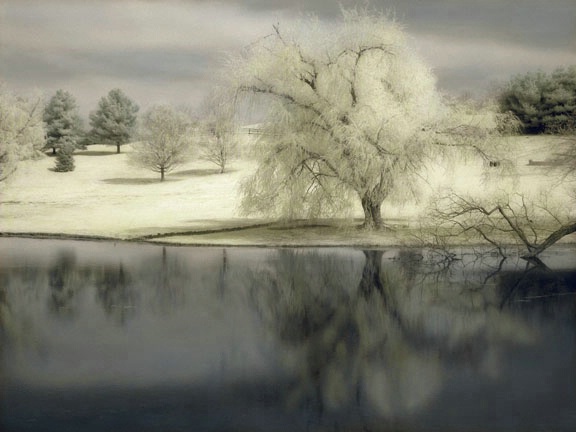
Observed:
{"x":65,"y":158}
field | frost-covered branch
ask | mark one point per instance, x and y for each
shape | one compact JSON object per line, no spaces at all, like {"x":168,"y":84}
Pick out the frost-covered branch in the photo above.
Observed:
{"x":353,"y":98}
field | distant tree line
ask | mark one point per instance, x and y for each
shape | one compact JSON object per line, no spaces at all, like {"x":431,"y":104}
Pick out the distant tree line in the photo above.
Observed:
{"x":113,"y":122}
{"x":163,"y":140}
{"x":543,"y":103}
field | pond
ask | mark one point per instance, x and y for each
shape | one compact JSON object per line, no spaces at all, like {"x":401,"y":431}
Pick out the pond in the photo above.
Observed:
{"x":99,"y":336}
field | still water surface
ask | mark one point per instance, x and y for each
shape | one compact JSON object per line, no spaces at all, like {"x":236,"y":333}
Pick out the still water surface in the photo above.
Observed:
{"x":115,"y":337}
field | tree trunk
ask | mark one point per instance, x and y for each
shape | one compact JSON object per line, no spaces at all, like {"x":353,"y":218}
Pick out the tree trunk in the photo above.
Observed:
{"x":222,"y":158}
{"x":53,"y":150}
{"x":162,"y":174}
{"x":371,"y":280}
{"x":372,"y":214}
{"x":550,"y":240}
{"x":117,"y":148}
{"x":373,"y":283}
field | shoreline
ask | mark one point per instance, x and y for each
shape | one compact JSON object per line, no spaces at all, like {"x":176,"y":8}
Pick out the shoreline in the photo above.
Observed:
{"x":288,"y":236}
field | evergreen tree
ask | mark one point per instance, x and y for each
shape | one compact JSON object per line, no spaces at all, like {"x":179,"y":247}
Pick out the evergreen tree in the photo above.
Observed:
{"x":560,"y":108}
{"x":63,"y":122}
{"x":65,"y":158}
{"x":114,"y":121}
{"x":542,"y":102}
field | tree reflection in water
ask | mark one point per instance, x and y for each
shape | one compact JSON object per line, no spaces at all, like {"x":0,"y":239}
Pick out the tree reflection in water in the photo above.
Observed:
{"x":63,"y":282}
{"x":372,"y":335}
{"x":115,"y":292}
{"x":168,"y":277}
{"x":163,"y":279}
{"x":360,"y":336}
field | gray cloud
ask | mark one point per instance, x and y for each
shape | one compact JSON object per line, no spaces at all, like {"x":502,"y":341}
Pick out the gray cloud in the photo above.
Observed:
{"x":528,"y":22}
{"x":151,"y":65}
{"x":544,"y":23}
{"x":168,"y":51}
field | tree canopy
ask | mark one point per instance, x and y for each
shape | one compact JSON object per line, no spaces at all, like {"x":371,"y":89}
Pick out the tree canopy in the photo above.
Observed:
{"x":63,"y":122}
{"x":114,"y":121}
{"x":352,"y":113}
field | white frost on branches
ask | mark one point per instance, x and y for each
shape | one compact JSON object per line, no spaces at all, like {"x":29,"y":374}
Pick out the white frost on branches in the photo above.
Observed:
{"x":165,"y":140}
{"x":218,"y":130}
{"x":353,"y":114}
{"x":22,"y":133}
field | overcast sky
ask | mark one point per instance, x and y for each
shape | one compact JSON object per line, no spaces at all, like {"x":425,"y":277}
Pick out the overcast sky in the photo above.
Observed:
{"x":166,"y":51}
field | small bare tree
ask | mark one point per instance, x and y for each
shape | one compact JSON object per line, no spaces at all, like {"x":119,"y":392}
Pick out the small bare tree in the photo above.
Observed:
{"x":218,"y":130}
{"x":165,"y":140}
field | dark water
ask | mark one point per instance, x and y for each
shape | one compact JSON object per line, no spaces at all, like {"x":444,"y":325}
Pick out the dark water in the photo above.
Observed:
{"x":115,"y":337}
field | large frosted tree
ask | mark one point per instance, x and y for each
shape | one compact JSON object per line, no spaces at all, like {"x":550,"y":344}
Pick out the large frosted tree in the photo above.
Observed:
{"x":114,"y":121}
{"x":352,"y":115}
{"x":63,"y":122}
{"x":21,"y":130}
{"x":165,"y":140}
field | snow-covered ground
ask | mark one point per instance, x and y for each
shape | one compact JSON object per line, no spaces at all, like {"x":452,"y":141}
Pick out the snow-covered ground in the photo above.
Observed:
{"x":105,"y":196}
